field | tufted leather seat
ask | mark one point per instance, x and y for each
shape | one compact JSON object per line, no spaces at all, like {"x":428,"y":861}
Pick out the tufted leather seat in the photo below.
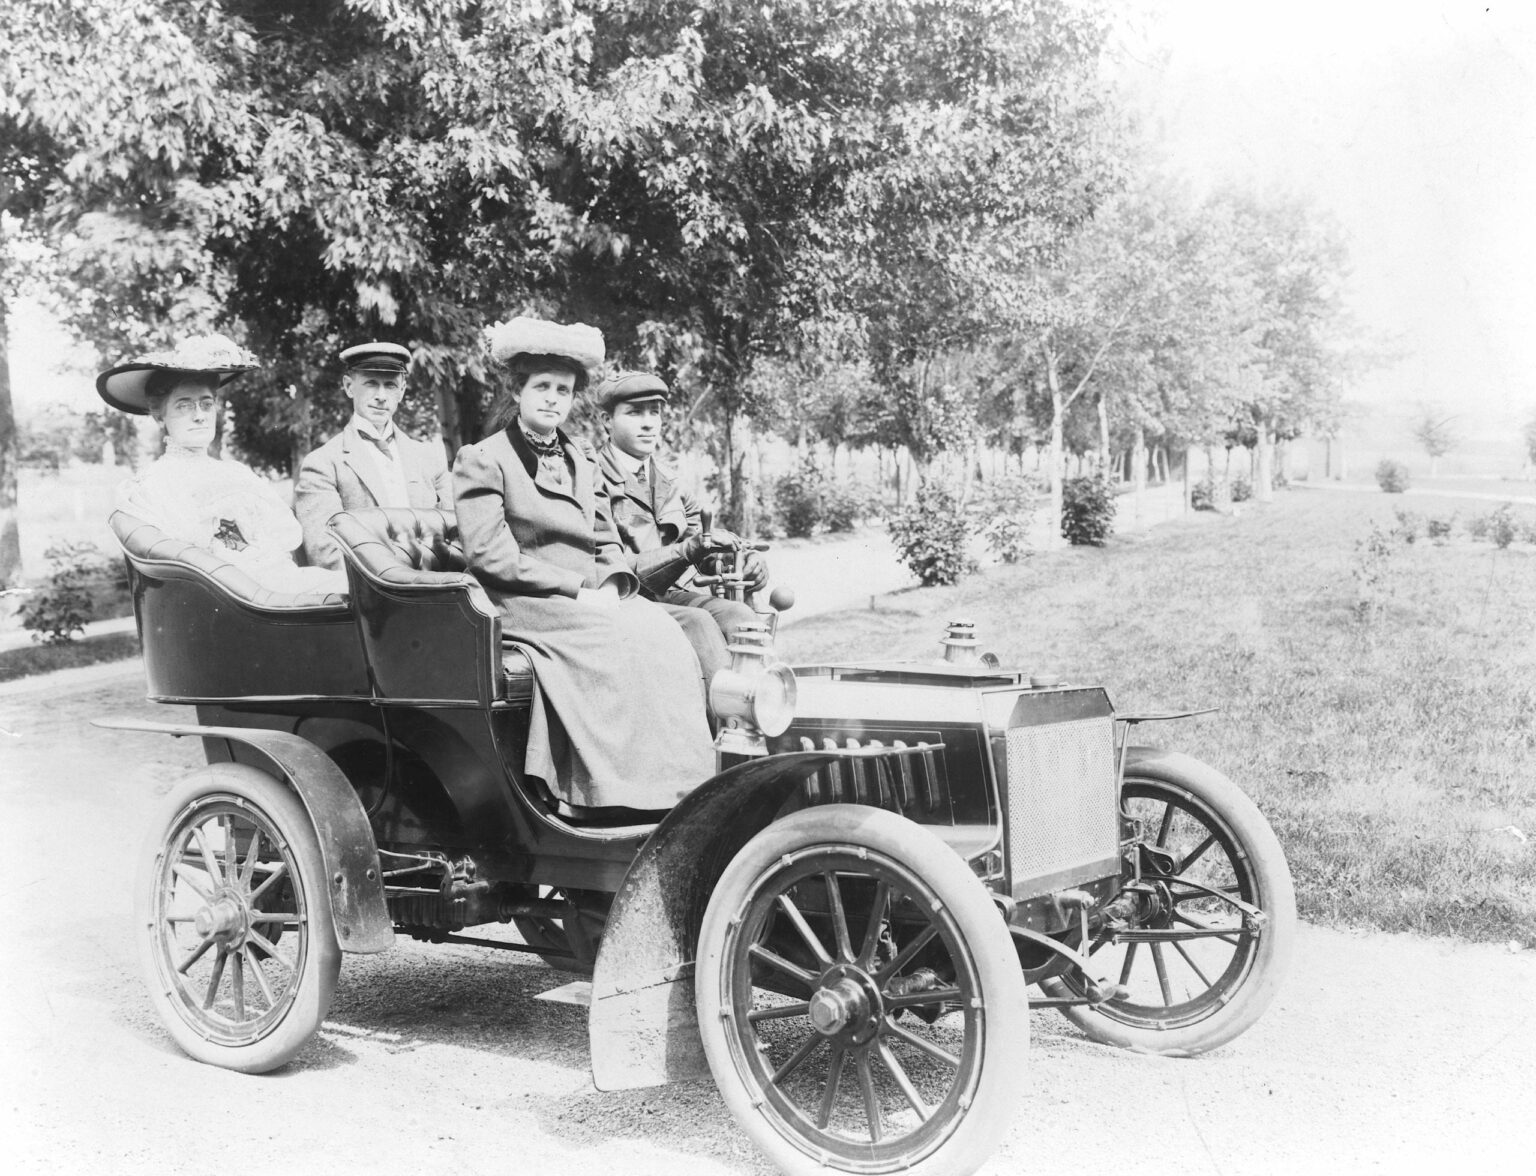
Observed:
{"x":151,"y":548}
{"x":409,"y":549}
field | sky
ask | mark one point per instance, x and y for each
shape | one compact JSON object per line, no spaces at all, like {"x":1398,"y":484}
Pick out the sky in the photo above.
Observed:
{"x":1412,"y":122}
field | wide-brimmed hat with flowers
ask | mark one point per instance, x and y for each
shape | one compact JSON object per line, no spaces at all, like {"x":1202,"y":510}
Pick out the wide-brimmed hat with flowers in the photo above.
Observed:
{"x":218,"y":355}
{"x":577,"y":343}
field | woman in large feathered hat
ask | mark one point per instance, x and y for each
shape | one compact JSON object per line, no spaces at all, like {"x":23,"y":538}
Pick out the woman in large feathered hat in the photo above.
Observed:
{"x":223,"y":506}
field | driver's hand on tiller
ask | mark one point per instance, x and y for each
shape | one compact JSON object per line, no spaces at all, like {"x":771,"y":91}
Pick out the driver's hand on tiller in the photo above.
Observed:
{"x":754,"y":569}
{"x":702,"y":545}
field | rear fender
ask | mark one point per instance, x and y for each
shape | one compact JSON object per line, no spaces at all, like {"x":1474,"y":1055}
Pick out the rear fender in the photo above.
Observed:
{"x":642,"y":1024}
{"x":346,"y":840}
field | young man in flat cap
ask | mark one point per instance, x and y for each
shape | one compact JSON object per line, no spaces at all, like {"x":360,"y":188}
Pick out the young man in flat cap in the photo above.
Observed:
{"x":660,"y":524}
{"x":370,"y":462}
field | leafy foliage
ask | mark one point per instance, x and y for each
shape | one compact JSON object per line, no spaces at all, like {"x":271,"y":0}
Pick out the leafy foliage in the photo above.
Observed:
{"x":799,"y":497}
{"x":931,"y":535}
{"x":80,"y":580}
{"x":1392,"y":476}
{"x":1436,"y":431}
{"x":1088,"y":511}
{"x":1003,"y":510}
{"x":844,"y":504}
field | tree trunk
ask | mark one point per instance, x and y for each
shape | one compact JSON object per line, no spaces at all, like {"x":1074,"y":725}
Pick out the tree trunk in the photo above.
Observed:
{"x":10,"y":527}
{"x":1056,"y":463}
{"x":1189,"y":464}
{"x":1264,"y":466}
{"x":1104,"y":435}
{"x":741,"y":508}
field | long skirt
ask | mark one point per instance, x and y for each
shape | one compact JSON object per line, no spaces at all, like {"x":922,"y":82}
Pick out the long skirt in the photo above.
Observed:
{"x":618,"y":705}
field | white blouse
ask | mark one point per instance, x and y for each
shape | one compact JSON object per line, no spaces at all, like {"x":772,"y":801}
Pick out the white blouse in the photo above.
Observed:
{"x":227,"y":508}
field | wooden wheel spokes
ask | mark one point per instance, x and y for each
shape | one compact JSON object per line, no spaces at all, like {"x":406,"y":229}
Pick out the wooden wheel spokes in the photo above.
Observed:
{"x":232,"y":925}
{"x":840,"y":956}
{"x":1177,"y":979}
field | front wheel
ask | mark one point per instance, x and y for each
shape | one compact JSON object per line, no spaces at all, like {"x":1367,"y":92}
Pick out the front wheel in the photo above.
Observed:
{"x":1203,"y":971}
{"x":859,"y":999}
{"x":236,"y":936}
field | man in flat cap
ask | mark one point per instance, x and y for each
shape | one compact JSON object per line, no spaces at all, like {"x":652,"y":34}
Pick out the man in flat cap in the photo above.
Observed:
{"x":370,"y":462}
{"x":660,"y":524}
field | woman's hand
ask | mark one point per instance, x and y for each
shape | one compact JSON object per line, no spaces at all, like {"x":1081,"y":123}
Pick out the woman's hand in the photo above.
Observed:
{"x":605,"y":597}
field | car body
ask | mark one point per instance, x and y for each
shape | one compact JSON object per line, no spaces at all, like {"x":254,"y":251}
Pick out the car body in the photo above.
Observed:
{"x":839,"y":925}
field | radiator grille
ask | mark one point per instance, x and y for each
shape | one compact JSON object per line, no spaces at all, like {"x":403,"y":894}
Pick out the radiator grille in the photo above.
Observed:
{"x":1063,"y":803}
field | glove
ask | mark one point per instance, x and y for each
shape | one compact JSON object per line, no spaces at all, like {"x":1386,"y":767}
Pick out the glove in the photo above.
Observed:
{"x":699,"y":546}
{"x":755,"y":569}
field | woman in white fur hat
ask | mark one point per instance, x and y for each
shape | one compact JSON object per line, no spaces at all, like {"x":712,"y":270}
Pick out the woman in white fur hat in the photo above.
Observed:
{"x":619,"y":715}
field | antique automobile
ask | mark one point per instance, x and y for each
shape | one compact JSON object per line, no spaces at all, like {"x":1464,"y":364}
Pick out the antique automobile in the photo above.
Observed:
{"x":841,"y":926}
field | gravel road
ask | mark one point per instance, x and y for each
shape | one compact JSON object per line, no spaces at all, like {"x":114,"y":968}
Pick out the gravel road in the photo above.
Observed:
{"x":1382,"y":1054}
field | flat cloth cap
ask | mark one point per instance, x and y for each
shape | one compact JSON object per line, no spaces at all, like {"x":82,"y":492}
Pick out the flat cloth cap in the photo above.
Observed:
{"x":377,"y":357}
{"x":629,"y":386}
{"x":217,"y":356}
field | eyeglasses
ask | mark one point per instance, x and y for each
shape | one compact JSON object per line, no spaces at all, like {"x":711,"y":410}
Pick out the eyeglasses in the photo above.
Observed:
{"x":185,"y":406}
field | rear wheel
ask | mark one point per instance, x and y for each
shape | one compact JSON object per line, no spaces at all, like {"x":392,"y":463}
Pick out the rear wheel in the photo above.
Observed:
{"x":859,"y":998}
{"x":236,"y":936}
{"x":1205,"y":972}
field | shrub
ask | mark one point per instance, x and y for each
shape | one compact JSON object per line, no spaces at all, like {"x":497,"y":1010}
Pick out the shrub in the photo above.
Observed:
{"x":1502,"y":527}
{"x":1528,"y":530}
{"x":1373,"y":570}
{"x":843,"y":505}
{"x":1478,"y":526}
{"x":1242,"y":489}
{"x":1002,"y":511}
{"x":1439,"y":527}
{"x":931,"y":534}
{"x":1409,"y":525}
{"x":82,"y":583}
{"x":1392,"y":476}
{"x":1211,"y":494}
{"x":799,"y":498}
{"x":1087,"y":511}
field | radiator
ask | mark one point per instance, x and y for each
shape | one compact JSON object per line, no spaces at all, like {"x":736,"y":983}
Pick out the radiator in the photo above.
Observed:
{"x":1063,"y":804}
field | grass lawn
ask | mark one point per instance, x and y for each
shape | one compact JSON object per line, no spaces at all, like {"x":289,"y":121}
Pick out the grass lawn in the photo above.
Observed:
{"x":1393,"y":755}
{"x":86,"y":651}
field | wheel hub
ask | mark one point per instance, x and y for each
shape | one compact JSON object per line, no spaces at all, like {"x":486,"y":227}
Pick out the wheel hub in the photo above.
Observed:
{"x":846,"y":1004}
{"x":224,"y":918}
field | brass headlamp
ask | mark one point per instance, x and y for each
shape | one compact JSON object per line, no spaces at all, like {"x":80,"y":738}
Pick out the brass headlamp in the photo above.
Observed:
{"x":755,"y":697}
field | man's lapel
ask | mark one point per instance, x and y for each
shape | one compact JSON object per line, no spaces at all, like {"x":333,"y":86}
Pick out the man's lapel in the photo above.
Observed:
{"x":360,"y":462}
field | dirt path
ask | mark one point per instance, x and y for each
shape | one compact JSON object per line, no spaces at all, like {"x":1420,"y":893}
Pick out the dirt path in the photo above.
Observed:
{"x":1383,"y":1053}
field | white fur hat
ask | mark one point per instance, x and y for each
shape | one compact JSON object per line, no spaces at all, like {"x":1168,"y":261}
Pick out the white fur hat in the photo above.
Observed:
{"x":581,"y":344}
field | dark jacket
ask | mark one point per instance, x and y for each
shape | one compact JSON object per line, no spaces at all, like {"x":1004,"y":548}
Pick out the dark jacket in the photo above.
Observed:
{"x":618,"y":715}
{"x":654,"y":521}
{"x":555,"y":540}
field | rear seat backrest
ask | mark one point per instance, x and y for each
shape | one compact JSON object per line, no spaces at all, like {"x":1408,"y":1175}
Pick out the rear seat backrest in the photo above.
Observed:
{"x":145,"y":543}
{"x":418,"y":550}
{"x":393,"y":543}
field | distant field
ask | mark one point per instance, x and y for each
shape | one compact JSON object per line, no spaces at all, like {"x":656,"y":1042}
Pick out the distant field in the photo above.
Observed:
{"x":1394,"y":756}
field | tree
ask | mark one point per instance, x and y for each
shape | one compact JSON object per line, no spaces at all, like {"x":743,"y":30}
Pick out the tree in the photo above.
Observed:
{"x":1289,"y":263}
{"x":982,"y":161}
{"x":10,"y":450}
{"x":1436,"y":432}
{"x":1131,"y":319}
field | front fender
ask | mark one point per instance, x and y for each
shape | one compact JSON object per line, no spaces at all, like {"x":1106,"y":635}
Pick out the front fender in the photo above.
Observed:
{"x":346,"y":839}
{"x":642,"y":1024}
